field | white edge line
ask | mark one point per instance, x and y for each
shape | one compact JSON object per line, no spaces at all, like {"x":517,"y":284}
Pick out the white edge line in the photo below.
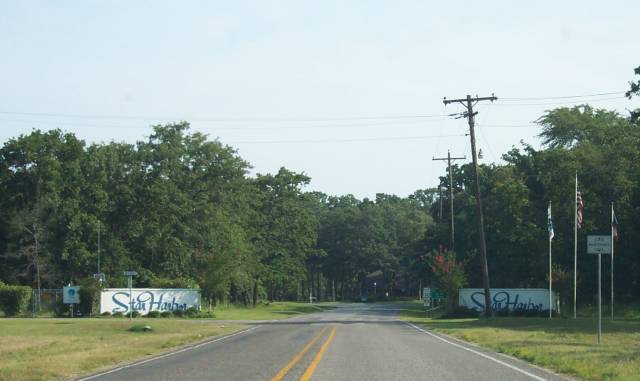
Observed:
{"x":478,"y":353}
{"x":167,"y":354}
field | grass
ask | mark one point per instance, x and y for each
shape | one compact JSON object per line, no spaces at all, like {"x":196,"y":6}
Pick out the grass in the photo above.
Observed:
{"x":42,"y":349}
{"x":565,"y":345}
{"x":272,"y":311}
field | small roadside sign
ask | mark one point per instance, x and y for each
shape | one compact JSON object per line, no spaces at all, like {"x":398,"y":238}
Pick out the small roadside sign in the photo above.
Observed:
{"x":71,"y":295}
{"x":437,"y":295}
{"x":599,"y":244}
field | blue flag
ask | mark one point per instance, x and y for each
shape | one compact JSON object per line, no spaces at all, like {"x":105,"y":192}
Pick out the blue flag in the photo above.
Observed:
{"x":550,"y":223}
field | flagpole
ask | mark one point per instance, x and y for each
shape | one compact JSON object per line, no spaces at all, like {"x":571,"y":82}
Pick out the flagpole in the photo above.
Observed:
{"x":611,"y":260}
{"x":575,"y":246}
{"x":550,"y":298}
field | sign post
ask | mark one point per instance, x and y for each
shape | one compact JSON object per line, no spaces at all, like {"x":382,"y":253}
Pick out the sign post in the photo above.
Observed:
{"x":599,"y":244}
{"x":130,"y":275}
{"x":71,"y":295}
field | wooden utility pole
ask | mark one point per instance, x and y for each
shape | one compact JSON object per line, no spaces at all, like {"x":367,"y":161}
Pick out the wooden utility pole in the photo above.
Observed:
{"x":468,"y":103}
{"x":449,"y":159}
{"x":439,"y":203}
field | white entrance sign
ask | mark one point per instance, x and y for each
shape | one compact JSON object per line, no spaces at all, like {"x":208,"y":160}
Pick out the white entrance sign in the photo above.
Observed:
{"x":598,"y":244}
{"x":71,"y":295}
{"x":513,"y":299}
{"x":145,"y":300}
{"x":426,"y":296}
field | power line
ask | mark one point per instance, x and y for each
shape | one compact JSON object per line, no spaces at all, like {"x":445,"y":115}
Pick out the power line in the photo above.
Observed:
{"x":561,"y":97}
{"x":554,"y":103}
{"x":225,"y":119}
{"x":235,"y":128}
{"x":389,"y":138}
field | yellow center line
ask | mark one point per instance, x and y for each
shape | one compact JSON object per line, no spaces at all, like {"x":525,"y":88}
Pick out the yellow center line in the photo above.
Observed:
{"x":297,"y":357}
{"x":316,"y":360}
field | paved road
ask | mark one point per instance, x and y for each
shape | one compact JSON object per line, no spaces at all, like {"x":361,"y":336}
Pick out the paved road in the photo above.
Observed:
{"x":353,"y":342}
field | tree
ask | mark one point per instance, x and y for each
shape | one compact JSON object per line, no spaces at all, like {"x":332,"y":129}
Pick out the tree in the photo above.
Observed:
{"x":448,"y":275}
{"x":634,"y":90}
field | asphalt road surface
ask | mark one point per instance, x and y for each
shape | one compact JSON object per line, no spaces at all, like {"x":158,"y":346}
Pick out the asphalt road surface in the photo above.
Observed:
{"x":353,"y":342}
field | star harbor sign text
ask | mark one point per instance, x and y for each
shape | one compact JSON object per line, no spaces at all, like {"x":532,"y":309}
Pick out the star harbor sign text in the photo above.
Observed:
{"x":145,"y":300}
{"x":520,"y":299}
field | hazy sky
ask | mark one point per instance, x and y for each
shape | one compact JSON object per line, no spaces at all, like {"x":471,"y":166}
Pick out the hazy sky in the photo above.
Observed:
{"x":337,"y":89}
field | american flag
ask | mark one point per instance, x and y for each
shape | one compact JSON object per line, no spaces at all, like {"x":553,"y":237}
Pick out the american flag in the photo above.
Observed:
{"x":579,"y":208}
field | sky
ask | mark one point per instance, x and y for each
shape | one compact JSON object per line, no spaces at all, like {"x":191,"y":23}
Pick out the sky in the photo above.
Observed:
{"x":348,"y":92}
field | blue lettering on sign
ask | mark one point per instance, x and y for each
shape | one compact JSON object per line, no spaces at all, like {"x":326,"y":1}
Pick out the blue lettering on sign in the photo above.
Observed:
{"x":143,"y":300}
{"x":502,"y":300}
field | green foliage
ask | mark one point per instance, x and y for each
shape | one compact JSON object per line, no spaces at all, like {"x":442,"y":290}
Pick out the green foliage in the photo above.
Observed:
{"x":180,"y":282}
{"x":448,"y":275}
{"x":15,"y":300}
{"x":153,"y":314}
{"x":89,"y":296}
{"x":183,"y":211}
{"x":140,"y":328}
{"x":634,"y":90}
{"x":166,"y":314}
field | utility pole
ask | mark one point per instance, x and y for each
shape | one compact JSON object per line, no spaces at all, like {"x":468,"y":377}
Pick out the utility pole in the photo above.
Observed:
{"x":439,"y":203}
{"x":468,"y":103}
{"x":449,"y":159}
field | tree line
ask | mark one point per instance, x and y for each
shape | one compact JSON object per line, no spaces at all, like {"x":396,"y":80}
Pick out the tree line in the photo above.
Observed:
{"x":184,"y":211}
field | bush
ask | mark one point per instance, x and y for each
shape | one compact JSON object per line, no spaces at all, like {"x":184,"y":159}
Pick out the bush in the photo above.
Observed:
{"x":178,"y":313}
{"x":461,"y":312}
{"x":206,"y":315}
{"x":135,"y":314}
{"x":89,"y":296}
{"x":153,"y":314}
{"x":140,"y":328}
{"x":106,"y":314}
{"x":15,"y":300}
{"x":118,"y":314}
{"x":166,"y":314}
{"x":524,"y":313}
{"x":192,"y":312}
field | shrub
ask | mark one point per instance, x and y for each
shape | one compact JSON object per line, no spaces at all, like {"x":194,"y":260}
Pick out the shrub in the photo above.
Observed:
{"x":118,"y":314}
{"x":178,"y":313}
{"x":448,"y":275}
{"x":140,"y":328}
{"x":461,"y":312}
{"x":15,"y":300}
{"x":153,"y":314}
{"x":206,"y":315}
{"x":192,"y":312}
{"x":89,"y":296}
{"x":166,"y":314}
{"x":106,"y":314}
{"x":135,"y":314}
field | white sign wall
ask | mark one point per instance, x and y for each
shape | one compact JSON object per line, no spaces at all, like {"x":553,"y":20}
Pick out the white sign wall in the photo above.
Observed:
{"x":144,"y":300}
{"x":528,"y":299}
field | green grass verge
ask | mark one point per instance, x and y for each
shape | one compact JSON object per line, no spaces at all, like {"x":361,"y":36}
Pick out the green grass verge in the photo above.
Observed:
{"x":272,"y":311}
{"x":565,"y":345}
{"x":45,"y":349}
